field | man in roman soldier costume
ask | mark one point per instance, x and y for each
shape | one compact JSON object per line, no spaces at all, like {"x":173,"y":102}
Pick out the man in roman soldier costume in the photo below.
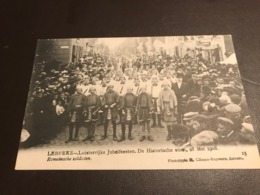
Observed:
{"x":92,"y":104}
{"x":168,"y":105}
{"x":110,"y":101}
{"x":128,"y":113}
{"x":155,"y":90}
{"x":144,"y":107}
{"x":75,"y":110}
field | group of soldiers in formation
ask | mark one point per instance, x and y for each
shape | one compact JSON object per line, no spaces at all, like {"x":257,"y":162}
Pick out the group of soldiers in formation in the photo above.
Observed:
{"x":196,"y":102}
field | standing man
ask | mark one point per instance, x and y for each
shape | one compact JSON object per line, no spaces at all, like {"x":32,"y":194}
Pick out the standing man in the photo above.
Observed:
{"x":128,"y":113}
{"x":75,"y":113}
{"x":92,"y":104}
{"x":144,"y":107}
{"x":110,"y":101}
{"x":180,"y":90}
{"x":155,"y":90}
{"x":168,"y":104}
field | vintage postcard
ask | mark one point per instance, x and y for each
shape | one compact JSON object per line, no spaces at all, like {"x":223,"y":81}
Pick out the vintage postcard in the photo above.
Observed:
{"x":168,"y":102}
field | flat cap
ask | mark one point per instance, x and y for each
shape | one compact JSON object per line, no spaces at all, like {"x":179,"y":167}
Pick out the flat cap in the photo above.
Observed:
{"x":233,"y":108}
{"x":205,"y":138}
{"x":248,"y":126}
{"x":225,"y":121}
{"x":189,"y":115}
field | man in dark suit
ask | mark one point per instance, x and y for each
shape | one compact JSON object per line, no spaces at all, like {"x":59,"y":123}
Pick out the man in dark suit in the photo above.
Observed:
{"x":193,"y":87}
{"x":180,"y":89}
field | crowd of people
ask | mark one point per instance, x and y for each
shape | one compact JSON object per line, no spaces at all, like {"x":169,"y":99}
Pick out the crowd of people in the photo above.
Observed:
{"x":198,"y":103}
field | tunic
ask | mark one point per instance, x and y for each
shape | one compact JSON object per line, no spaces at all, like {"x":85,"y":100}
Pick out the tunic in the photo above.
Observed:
{"x":144,"y":106}
{"x":109,"y":98}
{"x":75,"y":107}
{"x":167,"y":103}
{"x":128,"y":107}
{"x":91,"y":105}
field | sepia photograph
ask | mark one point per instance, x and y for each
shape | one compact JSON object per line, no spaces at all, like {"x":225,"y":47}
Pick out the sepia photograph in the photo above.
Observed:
{"x":130,"y":97}
{"x":177,"y":96}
